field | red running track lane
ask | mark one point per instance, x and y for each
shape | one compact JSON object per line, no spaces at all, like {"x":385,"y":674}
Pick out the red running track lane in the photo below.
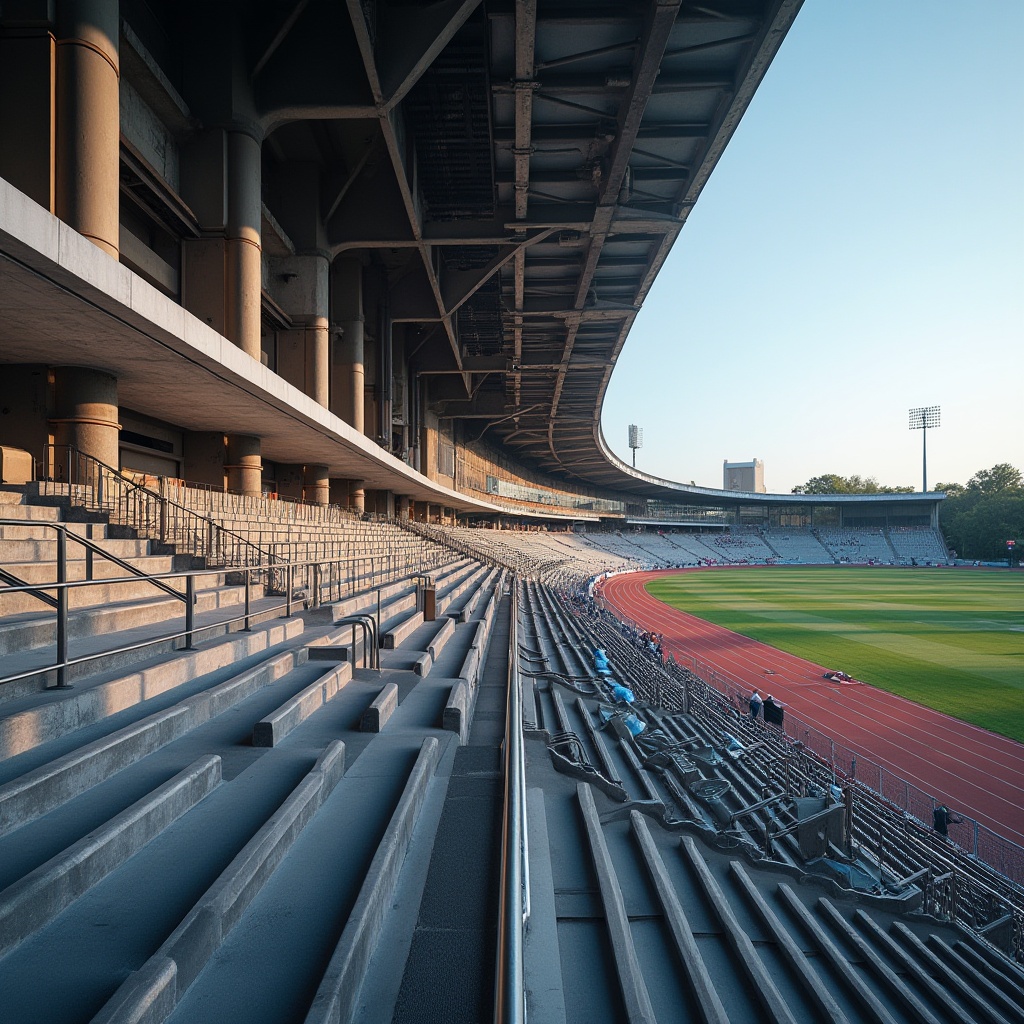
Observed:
{"x":977,"y":772}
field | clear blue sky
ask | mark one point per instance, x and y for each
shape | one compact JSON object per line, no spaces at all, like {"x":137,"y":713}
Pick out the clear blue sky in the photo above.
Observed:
{"x":858,"y":251}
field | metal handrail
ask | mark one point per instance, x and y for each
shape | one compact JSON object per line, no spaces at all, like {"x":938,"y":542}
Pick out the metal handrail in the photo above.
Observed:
{"x":103,"y":475}
{"x":513,"y":913}
{"x":371,"y":640}
{"x":62,"y":585}
{"x":378,"y":574}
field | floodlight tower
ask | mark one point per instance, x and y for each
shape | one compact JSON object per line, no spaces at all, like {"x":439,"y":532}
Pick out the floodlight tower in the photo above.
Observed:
{"x":921,"y":419}
{"x":636,"y":439}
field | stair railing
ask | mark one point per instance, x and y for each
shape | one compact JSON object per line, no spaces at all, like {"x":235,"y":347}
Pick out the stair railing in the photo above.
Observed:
{"x":62,"y":584}
{"x":97,"y":487}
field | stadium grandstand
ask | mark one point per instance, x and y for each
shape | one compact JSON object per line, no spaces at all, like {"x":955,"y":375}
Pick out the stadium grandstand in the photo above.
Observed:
{"x":307,"y":713}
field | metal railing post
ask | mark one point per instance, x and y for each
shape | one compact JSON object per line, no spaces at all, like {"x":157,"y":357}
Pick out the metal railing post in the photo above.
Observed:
{"x":62,"y":610}
{"x":190,"y":609}
{"x":246,"y":628}
{"x":288,"y":591}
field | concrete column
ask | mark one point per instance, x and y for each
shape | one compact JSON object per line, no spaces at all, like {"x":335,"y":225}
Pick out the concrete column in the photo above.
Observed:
{"x":348,"y":371}
{"x":300,"y":286}
{"x":88,"y":120}
{"x":403,"y":507}
{"x":243,"y":255}
{"x":316,"y":485}
{"x":244,"y":466}
{"x":318,"y":361}
{"x":357,"y":495}
{"x":85,"y":407}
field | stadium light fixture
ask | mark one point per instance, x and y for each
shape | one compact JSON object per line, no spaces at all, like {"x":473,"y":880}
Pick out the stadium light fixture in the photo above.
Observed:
{"x":921,"y":419}
{"x":636,"y":439}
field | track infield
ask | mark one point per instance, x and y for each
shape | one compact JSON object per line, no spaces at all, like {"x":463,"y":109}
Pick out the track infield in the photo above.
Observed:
{"x":953,"y":641}
{"x":980,"y":772}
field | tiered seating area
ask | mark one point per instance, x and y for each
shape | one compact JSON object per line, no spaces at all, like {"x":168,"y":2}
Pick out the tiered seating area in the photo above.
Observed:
{"x":623,"y":547}
{"x":300,"y":820}
{"x":741,"y":547}
{"x":178,"y":799}
{"x":846,"y":545}
{"x":796,"y":545}
{"x":661,"y":548}
{"x":717,"y":858}
{"x":256,"y":530}
{"x":920,"y":545}
{"x":530,"y":552}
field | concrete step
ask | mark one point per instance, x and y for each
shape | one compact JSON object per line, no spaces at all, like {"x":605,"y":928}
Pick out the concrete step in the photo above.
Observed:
{"x":101,"y":594}
{"x":109,"y":653}
{"x":46,"y":550}
{"x":31,"y":631}
{"x":36,"y":529}
{"x":46,"y":572}
{"x":28,"y":513}
{"x":206,"y":682}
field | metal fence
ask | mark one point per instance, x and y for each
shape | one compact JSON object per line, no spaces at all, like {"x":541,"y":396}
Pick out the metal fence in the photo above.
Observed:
{"x":850,"y":764}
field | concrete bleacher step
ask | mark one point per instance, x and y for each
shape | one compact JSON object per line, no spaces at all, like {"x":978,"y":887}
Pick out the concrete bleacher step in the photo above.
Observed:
{"x":41,"y":717}
{"x":45,"y":549}
{"x":98,"y":594}
{"x":78,"y":995}
{"x":38,"y":897}
{"x":130,"y":645}
{"x":26,"y":631}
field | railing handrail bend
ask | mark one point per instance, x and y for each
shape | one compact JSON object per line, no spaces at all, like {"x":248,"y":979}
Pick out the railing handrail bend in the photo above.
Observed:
{"x":509,"y":986}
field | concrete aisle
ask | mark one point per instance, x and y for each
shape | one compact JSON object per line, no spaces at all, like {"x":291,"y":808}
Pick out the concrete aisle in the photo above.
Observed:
{"x":449,"y":975}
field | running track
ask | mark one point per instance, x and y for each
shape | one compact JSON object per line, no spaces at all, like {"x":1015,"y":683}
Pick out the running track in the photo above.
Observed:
{"x":975,"y":771}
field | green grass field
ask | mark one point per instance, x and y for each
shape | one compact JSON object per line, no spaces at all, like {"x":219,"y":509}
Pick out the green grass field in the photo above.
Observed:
{"x":951,"y":640}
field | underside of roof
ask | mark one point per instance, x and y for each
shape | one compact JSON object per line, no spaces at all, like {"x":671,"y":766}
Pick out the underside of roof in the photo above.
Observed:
{"x":520,"y":170}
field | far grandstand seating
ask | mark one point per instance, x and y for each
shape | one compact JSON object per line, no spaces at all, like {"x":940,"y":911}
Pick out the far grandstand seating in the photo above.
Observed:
{"x":793,"y":544}
{"x":693,"y":544}
{"x":918,"y":544}
{"x":848,"y":545}
{"x":741,"y":546}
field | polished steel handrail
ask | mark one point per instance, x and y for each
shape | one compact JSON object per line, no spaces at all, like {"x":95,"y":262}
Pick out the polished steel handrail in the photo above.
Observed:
{"x":513,"y":913}
{"x":374,"y":571}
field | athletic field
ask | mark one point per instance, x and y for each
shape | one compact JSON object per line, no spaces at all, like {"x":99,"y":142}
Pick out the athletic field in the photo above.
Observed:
{"x":952,"y":640}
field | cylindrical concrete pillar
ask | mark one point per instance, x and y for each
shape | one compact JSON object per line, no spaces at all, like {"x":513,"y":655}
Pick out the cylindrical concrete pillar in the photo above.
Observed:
{"x":349,"y":354}
{"x":403,"y":507}
{"x":88,"y":120}
{"x":85,"y":406}
{"x":318,"y":361}
{"x":316,"y":485}
{"x":243,"y":256}
{"x":244,"y":465}
{"x":357,"y":495}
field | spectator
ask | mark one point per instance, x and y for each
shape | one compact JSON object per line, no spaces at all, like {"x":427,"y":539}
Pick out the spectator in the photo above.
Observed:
{"x":942,"y":818}
{"x":755,"y":706}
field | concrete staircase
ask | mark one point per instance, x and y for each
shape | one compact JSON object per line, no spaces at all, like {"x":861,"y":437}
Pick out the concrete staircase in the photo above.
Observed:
{"x":221,"y":834}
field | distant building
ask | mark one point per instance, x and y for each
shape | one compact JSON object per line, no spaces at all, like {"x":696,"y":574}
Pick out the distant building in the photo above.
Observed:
{"x":744,"y":476}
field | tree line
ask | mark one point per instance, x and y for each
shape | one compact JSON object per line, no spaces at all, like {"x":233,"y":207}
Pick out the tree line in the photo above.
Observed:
{"x":977,"y":518}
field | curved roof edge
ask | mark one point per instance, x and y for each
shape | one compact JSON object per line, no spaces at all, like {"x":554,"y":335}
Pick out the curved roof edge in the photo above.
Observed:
{"x":669,"y":490}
